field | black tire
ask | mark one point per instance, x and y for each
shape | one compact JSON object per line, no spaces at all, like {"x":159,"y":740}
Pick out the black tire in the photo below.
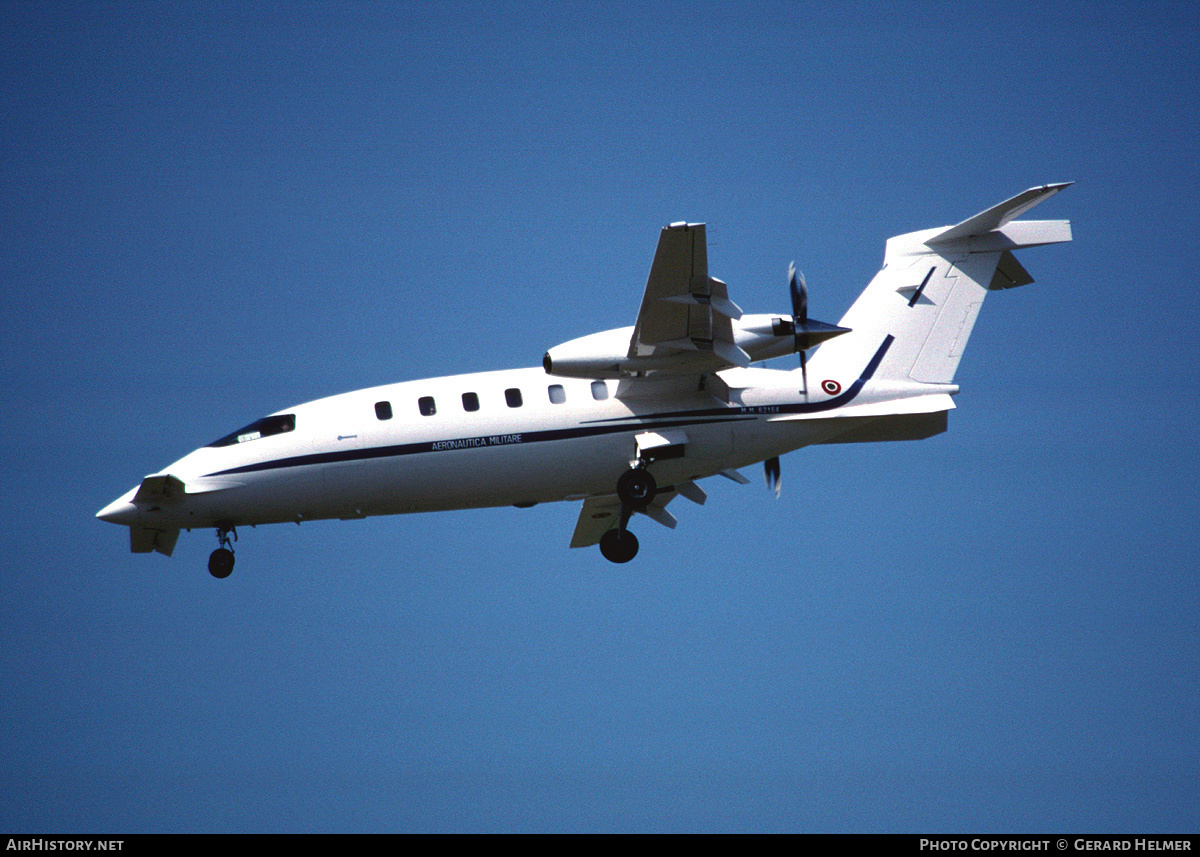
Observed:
{"x":220,"y":563}
{"x":618,"y":546}
{"x":636,"y":488}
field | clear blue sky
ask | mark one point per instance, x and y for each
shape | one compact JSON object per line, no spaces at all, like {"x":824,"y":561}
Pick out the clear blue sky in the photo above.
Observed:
{"x":213,"y":211}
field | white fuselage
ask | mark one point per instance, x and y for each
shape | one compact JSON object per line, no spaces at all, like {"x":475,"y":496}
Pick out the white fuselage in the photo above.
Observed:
{"x":554,"y":439}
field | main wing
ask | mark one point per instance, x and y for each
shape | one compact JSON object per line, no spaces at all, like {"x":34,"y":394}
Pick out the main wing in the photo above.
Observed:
{"x":685,"y":324}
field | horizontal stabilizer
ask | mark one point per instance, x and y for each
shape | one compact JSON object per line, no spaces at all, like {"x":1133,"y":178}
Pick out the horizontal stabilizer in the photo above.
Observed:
{"x":998,"y":215}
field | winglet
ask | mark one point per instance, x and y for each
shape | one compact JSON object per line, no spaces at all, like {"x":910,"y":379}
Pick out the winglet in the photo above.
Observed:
{"x":998,"y":215}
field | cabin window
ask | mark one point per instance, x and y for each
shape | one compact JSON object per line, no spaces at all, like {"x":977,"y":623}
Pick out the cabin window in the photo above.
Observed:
{"x":513,"y":396}
{"x":470,"y":401}
{"x":383,"y":410}
{"x":267,"y":426}
{"x":599,"y":391}
{"x":427,"y":406}
{"x":557,"y":394}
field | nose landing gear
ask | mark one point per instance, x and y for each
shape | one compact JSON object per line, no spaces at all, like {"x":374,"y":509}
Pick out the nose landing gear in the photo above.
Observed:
{"x":220,"y":562}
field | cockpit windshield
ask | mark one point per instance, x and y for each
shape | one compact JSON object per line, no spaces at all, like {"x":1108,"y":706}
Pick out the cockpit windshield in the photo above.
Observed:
{"x":265,"y":427}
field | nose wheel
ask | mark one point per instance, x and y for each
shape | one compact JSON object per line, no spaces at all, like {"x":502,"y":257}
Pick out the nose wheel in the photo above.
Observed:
{"x":220,"y":561}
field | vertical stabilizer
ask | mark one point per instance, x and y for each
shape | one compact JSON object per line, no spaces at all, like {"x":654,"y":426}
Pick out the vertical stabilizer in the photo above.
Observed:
{"x":930,"y":289}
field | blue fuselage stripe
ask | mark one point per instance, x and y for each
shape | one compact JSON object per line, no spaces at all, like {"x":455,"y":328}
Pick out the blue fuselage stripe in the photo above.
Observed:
{"x":664,"y":420}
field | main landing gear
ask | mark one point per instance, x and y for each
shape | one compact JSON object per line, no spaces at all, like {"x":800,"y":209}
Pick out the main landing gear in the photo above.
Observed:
{"x":220,"y":562}
{"x":619,"y":545}
{"x":635,"y":489}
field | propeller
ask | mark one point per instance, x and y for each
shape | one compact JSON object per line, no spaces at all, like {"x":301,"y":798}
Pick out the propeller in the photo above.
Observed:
{"x":799,"y":292}
{"x":774,"y":475}
{"x":805,"y":333}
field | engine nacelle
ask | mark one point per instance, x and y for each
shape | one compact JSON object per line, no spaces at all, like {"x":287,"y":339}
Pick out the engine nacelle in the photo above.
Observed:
{"x":598,"y":355}
{"x":606,"y":354}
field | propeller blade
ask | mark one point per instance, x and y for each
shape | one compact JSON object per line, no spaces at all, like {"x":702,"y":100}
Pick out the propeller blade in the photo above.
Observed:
{"x":799,"y":291}
{"x":774,"y":475}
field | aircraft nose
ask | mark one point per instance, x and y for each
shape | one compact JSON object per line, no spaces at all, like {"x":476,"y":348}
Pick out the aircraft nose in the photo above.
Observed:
{"x":119,"y":511}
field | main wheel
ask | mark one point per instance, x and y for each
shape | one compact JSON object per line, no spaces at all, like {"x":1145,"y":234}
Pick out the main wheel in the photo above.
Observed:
{"x":618,"y":545}
{"x":636,"y":488}
{"x":220,"y":562}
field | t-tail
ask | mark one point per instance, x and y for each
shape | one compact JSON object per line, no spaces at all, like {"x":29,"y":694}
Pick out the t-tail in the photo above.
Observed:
{"x":924,"y":301}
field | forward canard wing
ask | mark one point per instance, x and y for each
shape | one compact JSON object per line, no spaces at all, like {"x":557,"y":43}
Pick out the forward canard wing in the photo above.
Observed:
{"x":150,"y":510}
